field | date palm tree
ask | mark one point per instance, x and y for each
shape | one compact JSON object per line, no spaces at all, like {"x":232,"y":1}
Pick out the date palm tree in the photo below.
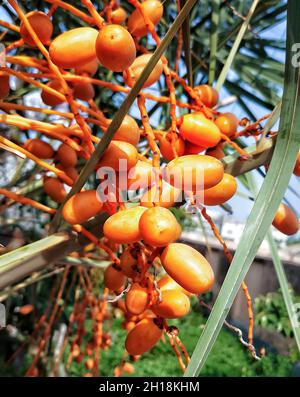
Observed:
{"x":220,"y":42}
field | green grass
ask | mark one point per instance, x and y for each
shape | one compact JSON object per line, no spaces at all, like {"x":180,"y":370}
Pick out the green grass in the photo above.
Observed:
{"x":228,"y":357}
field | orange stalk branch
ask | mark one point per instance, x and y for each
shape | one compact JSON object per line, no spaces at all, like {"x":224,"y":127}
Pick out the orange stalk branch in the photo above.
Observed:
{"x":199,"y":105}
{"x":26,"y":201}
{"x":150,"y":26}
{"x":27,"y":77}
{"x":61,"y":174}
{"x":98,"y":20}
{"x":95,"y":240}
{"x":24,"y":76}
{"x":16,"y":106}
{"x":9,"y":26}
{"x":251,"y":127}
{"x":54,"y":131}
{"x":114,"y":87}
{"x":15,"y":44}
{"x":151,"y":141}
{"x":52,"y":9}
{"x":75,"y":11}
{"x":241,"y":151}
{"x":44,"y":127}
{"x":28,"y":62}
{"x":148,"y":131}
{"x":44,"y":339}
{"x":193,"y":95}
{"x":176,"y":351}
{"x":101,"y":116}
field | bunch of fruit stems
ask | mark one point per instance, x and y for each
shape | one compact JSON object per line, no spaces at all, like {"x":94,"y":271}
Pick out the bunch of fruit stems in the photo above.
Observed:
{"x":249,"y":129}
{"x":46,"y":335}
{"x":74,"y":105}
{"x":99,"y":115}
{"x":71,"y":321}
{"x":93,"y":110}
{"x":70,"y":325}
{"x":54,"y":69}
{"x":174,"y":340}
{"x":243,"y":285}
{"x":86,"y":285}
{"x":152,"y":142}
{"x":84,"y":79}
{"x":82,"y":306}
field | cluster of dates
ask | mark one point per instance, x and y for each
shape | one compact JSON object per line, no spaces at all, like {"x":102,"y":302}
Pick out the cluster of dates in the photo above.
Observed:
{"x":144,"y":237}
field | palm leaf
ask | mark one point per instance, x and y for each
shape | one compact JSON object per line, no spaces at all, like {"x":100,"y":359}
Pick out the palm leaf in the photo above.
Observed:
{"x":186,"y":37}
{"x":19,"y":263}
{"x":215,"y":18}
{"x":235,"y":46}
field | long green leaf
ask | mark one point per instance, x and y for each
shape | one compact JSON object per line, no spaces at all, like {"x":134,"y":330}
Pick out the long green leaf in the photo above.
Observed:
{"x":186,"y":38}
{"x":215,"y":18}
{"x":124,"y":108}
{"x":267,"y":201}
{"x":240,"y":91}
{"x":235,"y":46}
{"x":283,"y":282}
{"x":21,"y":262}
